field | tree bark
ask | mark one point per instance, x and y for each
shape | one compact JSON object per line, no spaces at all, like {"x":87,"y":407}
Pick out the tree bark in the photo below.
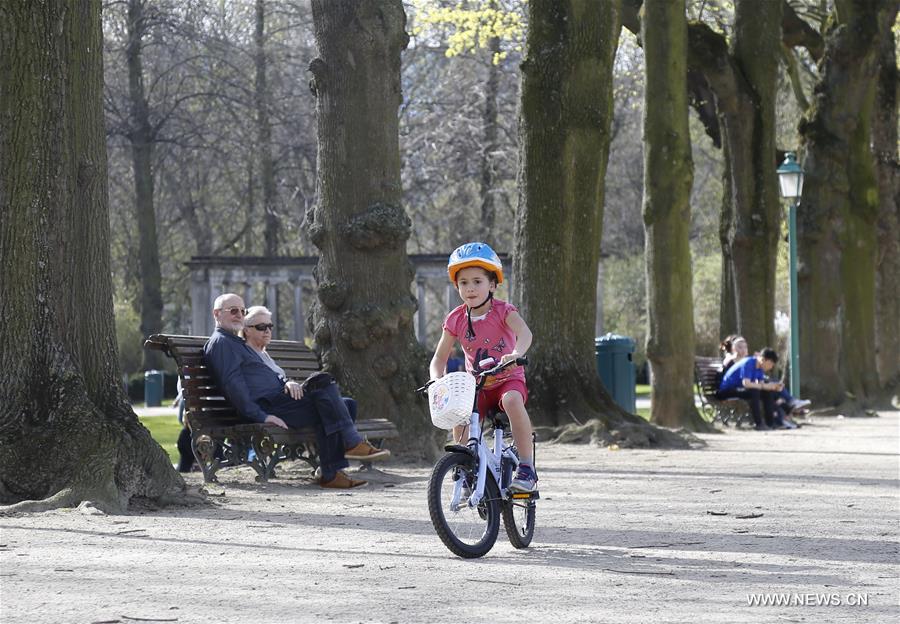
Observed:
{"x":564,"y":134}
{"x":887,"y":165}
{"x":362,"y":320}
{"x":67,"y":432}
{"x":836,"y":220}
{"x":141,"y":136}
{"x":743,"y":83}
{"x":264,"y":136}
{"x":668,"y":176}
{"x":743,"y":79}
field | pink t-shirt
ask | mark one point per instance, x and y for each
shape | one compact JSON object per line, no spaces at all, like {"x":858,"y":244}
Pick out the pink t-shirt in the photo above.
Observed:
{"x":493,"y":338}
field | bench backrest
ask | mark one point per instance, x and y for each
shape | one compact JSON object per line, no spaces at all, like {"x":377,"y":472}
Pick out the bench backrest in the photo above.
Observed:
{"x":204,"y":404}
{"x":708,"y":375}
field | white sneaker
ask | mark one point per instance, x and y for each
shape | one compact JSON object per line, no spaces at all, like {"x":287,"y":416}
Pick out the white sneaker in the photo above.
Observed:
{"x":800,"y":404}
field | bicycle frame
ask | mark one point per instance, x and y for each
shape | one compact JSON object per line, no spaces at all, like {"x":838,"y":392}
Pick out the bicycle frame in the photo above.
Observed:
{"x":487,"y":458}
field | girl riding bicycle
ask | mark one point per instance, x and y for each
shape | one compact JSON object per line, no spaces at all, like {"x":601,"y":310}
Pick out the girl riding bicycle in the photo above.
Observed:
{"x":488,"y":328}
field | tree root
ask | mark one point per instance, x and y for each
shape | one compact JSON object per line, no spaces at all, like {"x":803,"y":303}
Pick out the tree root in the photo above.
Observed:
{"x":622,"y":435}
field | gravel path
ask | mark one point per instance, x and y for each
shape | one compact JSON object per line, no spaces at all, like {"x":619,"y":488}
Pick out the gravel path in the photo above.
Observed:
{"x":809,"y":517}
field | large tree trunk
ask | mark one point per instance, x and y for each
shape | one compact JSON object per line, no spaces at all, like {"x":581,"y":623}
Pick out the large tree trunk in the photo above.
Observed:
{"x":743,"y":80}
{"x":363,"y":319}
{"x":836,"y":220}
{"x":68,"y":433}
{"x":264,"y":137}
{"x":887,"y":277}
{"x":141,"y":136}
{"x":668,"y":176}
{"x":564,"y":119}
{"x":743,"y":83}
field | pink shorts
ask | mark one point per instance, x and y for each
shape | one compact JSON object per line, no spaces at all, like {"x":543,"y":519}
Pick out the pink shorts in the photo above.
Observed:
{"x":492,"y":398}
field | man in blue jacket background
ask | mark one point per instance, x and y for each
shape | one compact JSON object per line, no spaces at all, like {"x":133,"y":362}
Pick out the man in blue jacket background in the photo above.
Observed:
{"x":260,"y":395}
{"x":746,"y":379}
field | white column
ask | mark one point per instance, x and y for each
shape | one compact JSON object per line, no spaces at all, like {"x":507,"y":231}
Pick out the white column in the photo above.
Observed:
{"x":299,"y":320}
{"x":272,"y":304}
{"x":421,"y":316}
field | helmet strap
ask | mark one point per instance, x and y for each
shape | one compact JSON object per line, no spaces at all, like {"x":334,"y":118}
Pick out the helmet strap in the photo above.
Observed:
{"x":470,"y":331}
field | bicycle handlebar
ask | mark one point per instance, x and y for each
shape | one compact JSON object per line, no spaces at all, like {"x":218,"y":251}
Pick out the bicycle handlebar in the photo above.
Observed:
{"x":520,"y":361}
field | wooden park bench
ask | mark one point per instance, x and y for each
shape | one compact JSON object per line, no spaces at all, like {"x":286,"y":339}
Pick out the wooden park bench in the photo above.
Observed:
{"x":220,"y":437}
{"x":707,"y":376}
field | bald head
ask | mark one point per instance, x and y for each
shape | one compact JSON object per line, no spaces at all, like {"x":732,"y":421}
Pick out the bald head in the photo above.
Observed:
{"x":228,"y":310}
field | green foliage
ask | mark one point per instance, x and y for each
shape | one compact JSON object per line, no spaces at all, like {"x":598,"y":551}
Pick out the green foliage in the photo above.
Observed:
{"x":128,"y":337}
{"x":625,"y":300}
{"x":466,"y":29}
{"x":165,"y":430}
{"x":707,"y":287}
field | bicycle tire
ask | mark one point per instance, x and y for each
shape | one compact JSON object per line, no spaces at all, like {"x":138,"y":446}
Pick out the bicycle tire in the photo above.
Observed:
{"x":466,"y":532}
{"x":518,"y":520}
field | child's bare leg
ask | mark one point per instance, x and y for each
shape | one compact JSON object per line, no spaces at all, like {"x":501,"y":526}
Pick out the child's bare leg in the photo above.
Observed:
{"x":460,"y":434}
{"x":514,"y":406}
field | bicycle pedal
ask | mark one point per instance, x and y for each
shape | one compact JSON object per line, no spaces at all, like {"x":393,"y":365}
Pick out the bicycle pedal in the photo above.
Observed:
{"x":524,"y":495}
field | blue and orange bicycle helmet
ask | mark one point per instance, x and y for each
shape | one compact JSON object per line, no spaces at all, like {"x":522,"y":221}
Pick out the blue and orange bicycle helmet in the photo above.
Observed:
{"x":475,"y":255}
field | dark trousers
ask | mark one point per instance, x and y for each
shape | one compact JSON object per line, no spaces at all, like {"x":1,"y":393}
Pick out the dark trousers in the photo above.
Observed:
{"x":185,"y":453}
{"x":754,"y":397}
{"x":331,"y":415}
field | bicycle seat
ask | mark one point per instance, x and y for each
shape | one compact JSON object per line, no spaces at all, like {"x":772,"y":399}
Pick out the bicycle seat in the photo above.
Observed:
{"x":497,"y":418}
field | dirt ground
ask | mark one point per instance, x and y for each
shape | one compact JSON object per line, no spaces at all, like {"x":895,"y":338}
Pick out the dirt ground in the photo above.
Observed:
{"x":809,"y":517}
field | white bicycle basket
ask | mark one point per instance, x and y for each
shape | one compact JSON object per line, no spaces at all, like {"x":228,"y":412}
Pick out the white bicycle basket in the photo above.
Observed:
{"x":450,"y":399}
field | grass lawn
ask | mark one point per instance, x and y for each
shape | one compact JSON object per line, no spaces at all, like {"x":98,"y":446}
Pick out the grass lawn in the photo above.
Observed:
{"x":642,"y":391}
{"x":165,"y":430}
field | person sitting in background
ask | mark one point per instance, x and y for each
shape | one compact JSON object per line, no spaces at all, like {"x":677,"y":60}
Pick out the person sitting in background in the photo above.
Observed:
{"x":735,"y":348}
{"x":251,"y":382}
{"x":745,"y":379}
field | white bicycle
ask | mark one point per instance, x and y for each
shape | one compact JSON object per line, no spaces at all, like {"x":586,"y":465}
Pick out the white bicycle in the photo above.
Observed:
{"x":469,"y":487}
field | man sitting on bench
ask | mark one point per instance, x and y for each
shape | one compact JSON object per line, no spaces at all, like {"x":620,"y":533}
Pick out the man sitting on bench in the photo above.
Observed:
{"x":746,"y":380}
{"x":261,"y":395}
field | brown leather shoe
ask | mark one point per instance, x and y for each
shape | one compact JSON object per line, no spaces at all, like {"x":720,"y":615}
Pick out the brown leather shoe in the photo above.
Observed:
{"x":342,"y":482}
{"x":366,"y":452}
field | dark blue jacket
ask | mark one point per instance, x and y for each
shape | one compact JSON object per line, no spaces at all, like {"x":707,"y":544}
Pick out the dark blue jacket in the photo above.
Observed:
{"x":241,"y":374}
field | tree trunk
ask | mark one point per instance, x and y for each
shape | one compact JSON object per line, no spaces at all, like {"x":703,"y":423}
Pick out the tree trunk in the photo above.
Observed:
{"x":363,"y":319}
{"x":490,"y":127}
{"x":564,"y":121}
{"x":728,"y":317}
{"x":68,"y":434}
{"x":264,"y":136}
{"x":836,"y":220}
{"x":743,"y":80}
{"x":141,"y":136}
{"x":887,"y":277}
{"x":668,"y":176}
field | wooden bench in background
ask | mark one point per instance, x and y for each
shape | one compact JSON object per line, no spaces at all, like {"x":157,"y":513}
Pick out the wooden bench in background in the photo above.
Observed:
{"x":220,"y":437}
{"x":707,"y":376}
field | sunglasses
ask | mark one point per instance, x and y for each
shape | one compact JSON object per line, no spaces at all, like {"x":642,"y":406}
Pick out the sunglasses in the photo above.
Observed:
{"x":263,"y":327}
{"x":235,"y":310}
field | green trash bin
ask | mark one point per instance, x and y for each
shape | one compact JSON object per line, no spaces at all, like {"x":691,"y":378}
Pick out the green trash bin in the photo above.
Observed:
{"x":153,"y":388}
{"x":616,"y":368}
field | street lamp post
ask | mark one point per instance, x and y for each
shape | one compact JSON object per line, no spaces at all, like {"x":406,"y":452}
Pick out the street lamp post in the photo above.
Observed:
{"x":790,"y":179}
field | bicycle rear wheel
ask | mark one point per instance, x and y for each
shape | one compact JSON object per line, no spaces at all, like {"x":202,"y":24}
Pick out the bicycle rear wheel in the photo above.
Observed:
{"x":468,"y":532}
{"x":518,"y":520}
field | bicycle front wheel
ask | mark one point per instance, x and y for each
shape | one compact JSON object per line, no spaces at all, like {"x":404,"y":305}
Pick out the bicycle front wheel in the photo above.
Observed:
{"x":467,"y":531}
